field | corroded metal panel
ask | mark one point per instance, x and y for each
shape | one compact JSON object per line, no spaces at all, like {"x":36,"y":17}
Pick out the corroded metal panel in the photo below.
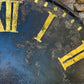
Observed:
{"x":41,"y":42}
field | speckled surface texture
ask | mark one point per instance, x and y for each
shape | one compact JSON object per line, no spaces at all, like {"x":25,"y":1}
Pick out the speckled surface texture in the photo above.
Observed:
{"x":23,"y":60}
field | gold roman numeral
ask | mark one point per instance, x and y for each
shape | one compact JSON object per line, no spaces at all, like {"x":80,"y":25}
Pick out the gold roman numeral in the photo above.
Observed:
{"x":70,"y":55}
{"x":8,"y":16}
{"x":45,"y":26}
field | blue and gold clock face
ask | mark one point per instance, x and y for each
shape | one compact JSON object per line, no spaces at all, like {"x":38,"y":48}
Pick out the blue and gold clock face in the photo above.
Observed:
{"x":41,"y":42}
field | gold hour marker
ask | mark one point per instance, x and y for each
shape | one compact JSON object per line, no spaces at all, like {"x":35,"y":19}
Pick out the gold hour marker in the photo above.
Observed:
{"x":45,"y":26}
{"x":70,"y":55}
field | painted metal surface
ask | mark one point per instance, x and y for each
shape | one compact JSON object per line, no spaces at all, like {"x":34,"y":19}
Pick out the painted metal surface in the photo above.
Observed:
{"x":41,"y":43}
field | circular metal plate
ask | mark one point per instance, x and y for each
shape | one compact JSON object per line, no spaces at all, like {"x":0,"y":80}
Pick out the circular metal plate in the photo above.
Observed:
{"x":41,"y":43}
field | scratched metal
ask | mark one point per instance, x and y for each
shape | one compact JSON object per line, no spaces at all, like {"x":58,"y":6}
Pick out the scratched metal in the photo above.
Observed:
{"x":23,"y":60}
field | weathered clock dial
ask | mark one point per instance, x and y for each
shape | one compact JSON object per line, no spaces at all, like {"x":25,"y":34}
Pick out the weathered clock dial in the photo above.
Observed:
{"x":41,"y":43}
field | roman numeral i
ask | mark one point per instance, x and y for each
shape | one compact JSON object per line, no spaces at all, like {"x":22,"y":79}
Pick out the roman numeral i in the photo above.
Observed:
{"x":8,"y":16}
{"x":72,"y":57}
{"x":45,"y":26}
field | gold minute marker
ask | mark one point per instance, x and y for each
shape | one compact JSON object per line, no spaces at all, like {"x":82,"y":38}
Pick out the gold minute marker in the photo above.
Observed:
{"x":64,"y":14}
{"x":45,"y":4}
{"x":36,"y":1}
{"x":55,"y":8}
{"x":72,"y":21}
{"x":79,"y":28}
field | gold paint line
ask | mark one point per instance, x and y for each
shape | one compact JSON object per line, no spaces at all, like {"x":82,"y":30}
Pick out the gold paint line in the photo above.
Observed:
{"x":8,"y":16}
{"x":74,"y":60}
{"x":1,"y":27}
{"x":15,"y":17}
{"x":0,"y":5}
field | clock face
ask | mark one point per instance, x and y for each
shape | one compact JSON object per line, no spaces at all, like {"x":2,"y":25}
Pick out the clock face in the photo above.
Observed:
{"x":41,"y":43}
